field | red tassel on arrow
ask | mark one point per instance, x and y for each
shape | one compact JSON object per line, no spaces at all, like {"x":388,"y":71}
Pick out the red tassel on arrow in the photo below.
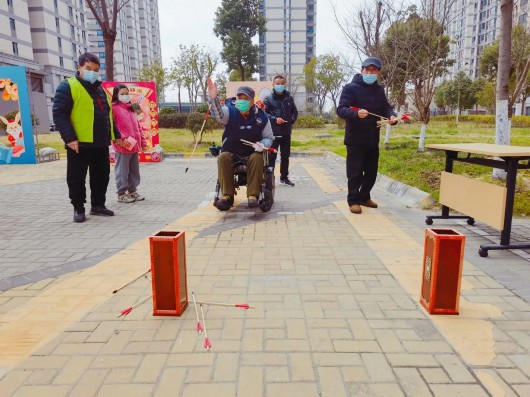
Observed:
{"x":124,"y":312}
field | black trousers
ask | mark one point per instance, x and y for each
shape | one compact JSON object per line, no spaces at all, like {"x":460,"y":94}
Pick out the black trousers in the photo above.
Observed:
{"x":361,"y":170}
{"x":284,"y":143}
{"x":97,"y":161}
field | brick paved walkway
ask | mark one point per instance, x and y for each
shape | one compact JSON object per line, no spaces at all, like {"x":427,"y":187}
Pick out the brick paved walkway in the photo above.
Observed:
{"x":335,"y":296}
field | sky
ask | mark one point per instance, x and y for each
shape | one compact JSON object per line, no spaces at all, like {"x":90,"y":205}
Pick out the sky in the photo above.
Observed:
{"x":191,"y":22}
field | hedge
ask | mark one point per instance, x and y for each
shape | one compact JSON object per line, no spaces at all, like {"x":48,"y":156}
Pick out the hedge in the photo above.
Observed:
{"x":309,"y":122}
{"x":173,"y":120}
{"x":487,"y":120}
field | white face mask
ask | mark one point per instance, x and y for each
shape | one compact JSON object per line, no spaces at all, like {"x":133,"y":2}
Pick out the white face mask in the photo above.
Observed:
{"x":124,"y":98}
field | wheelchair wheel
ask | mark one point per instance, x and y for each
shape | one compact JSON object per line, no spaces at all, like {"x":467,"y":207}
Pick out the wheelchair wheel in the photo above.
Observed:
{"x":268,"y":192}
{"x":217,"y":190}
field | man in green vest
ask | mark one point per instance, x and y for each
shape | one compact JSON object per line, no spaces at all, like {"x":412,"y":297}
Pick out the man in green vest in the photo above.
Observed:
{"x":82,"y":114}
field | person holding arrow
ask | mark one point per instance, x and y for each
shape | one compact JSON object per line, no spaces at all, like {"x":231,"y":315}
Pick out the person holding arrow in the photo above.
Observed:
{"x":363,"y":104}
{"x":242,"y":121}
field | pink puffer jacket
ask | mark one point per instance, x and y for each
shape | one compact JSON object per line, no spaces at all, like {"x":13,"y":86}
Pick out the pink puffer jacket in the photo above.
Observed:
{"x":127,"y":123}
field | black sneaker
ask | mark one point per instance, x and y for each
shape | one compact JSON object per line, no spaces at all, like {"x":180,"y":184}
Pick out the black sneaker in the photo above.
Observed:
{"x":79,"y":215}
{"x":103,"y":211}
{"x":285,"y":181}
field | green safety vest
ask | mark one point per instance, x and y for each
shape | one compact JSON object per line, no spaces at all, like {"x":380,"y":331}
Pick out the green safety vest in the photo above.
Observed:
{"x":82,"y":116}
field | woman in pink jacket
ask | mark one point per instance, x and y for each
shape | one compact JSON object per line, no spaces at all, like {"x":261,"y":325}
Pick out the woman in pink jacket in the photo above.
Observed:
{"x":127,"y":166}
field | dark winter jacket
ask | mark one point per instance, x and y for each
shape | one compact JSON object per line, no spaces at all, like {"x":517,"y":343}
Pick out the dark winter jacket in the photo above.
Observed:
{"x":62,"y":109}
{"x":371,"y":97}
{"x":281,"y":106}
{"x":238,"y":127}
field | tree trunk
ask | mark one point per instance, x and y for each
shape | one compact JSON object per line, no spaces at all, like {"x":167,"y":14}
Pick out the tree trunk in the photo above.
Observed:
{"x":387,"y":133}
{"x":502,"y":111}
{"x":523,"y":99}
{"x":421,"y":144}
{"x":109,"y":57}
{"x":180,"y":103}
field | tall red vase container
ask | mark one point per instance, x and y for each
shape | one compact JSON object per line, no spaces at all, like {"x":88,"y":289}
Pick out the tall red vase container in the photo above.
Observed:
{"x":443,"y":257}
{"x":168,"y":272}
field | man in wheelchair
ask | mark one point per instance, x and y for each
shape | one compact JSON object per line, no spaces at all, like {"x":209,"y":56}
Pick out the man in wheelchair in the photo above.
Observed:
{"x":247,"y":133}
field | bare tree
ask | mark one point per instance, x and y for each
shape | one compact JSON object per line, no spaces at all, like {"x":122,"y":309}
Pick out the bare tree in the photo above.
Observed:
{"x":366,"y":29}
{"x":363,"y":27}
{"x":106,"y":14}
{"x":203,"y":64}
{"x":430,"y":47}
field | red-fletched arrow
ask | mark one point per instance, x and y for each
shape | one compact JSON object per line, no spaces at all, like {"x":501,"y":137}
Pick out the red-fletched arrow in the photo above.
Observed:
{"x":199,"y":328}
{"x":238,"y":305}
{"x":373,"y":114}
{"x":207,"y":343}
{"x":406,"y":116}
{"x":124,"y":312}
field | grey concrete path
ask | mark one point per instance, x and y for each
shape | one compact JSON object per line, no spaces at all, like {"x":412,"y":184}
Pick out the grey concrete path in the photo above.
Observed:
{"x":335,"y":295}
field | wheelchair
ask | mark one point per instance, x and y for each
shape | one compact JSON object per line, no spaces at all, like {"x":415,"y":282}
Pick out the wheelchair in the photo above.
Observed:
{"x":239,"y":164}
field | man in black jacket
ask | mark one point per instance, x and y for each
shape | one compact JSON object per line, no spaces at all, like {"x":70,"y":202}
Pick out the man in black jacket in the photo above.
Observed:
{"x":360,"y":101}
{"x":82,"y":115}
{"x":282,"y":112}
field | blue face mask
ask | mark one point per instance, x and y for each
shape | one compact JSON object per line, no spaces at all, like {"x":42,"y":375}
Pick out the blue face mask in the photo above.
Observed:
{"x":369,"y":78}
{"x":279,"y":88}
{"x":90,"y":76}
{"x":242,"y":105}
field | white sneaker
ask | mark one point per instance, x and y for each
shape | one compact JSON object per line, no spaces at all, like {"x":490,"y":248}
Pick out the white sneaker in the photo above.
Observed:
{"x":137,"y":196}
{"x":126,"y":198}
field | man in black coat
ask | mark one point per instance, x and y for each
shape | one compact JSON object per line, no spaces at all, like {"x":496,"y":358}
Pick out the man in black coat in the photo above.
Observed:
{"x":282,"y":112}
{"x":82,"y":114}
{"x":359,"y":102}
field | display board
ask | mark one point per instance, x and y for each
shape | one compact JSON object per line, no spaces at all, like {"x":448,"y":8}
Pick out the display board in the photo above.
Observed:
{"x":16,"y":141}
{"x":143,"y":93}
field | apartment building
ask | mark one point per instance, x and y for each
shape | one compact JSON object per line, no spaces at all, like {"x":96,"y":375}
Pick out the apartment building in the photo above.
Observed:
{"x":137,"y":42}
{"x":16,"y":49}
{"x":474,"y":24}
{"x":47,"y":36}
{"x":289,"y":43}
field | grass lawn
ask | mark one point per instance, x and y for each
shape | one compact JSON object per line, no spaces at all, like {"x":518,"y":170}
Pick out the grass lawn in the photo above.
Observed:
{"x":399,"y":159}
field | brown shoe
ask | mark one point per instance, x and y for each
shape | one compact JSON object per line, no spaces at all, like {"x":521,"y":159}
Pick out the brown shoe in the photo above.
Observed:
{"x":355,"y":209}
{"x":252,"y":201}
{"x":370,"y":204}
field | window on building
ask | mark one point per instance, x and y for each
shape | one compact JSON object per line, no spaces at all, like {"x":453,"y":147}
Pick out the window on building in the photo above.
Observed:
{"x":101,"y":44}
{"x":15,"y":48}
{"x":83,"y":34}
{"x":9,"y":2}
{"x":100,"y":32}
{"x":57,"y":25}
{"x":74,"y":49}
{"x":522,"y":19}
{"x":12,"y":24}
{"x":102,"y":65}
{"x":59,"y":43}
{"x":72,"y":31}
{"x":61,"y":62}
{"x":55,"y":4}
{"x":70,"y":11}
{"x":83,"y":19}
{"x":527,"y":111}
{"x":36,"y":84}
{"x":101,"y":55}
